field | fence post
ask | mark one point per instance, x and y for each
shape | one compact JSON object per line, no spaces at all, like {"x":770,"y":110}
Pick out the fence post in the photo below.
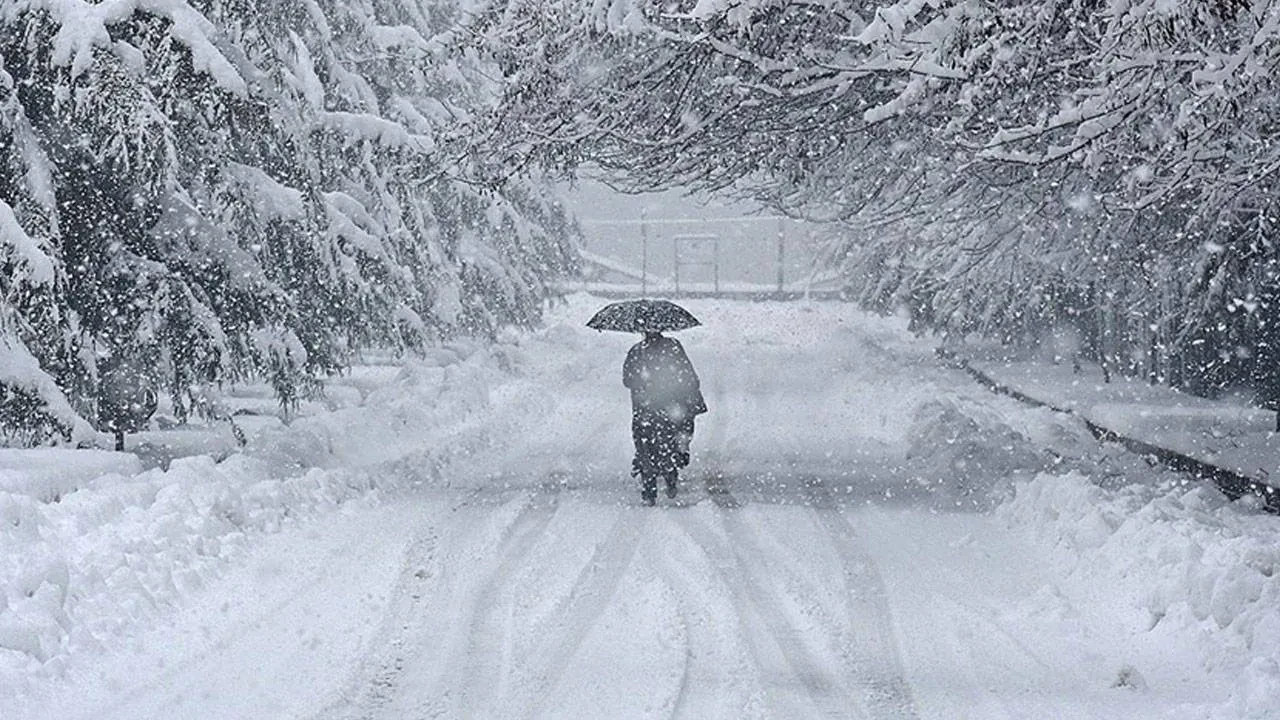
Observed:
{"x":644,"y":253}
{"x":715,"y":264}
{"x":782,"y":239}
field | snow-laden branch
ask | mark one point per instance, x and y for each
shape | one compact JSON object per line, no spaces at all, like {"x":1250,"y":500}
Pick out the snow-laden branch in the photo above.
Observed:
{"x":84,"y":26}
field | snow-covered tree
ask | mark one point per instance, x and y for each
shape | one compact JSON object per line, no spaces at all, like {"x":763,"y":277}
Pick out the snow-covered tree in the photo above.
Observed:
{"x":208,"y":190}
{"x":992,"y":164}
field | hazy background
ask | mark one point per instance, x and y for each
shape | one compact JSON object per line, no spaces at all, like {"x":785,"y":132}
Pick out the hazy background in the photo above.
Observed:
{"x":615,"y":224}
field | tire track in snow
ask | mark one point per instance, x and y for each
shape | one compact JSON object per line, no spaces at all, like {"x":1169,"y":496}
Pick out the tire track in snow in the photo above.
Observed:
{"x":471,"y":671}
{"x":718,"y":491}
{"x":187,"y":675}
{"x":376,"y":675}
{"x":870,"y":648}
{"x":982,"y":614}
{"x":715,"y":671}
{"x":428,"y":600}
{"x":579,"y":611}
{"x":681,"y":699}
{"x":777,"y":646}
{"x":234,"y":635}
{"x":477,"y":672}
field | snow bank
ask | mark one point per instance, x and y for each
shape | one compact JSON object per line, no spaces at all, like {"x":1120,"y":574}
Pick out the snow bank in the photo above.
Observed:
{"x":968,"y":450}
{"x":1184,"y":560}
{"x":968,"y":453}
{"x":46,"y":474}
{"x":86,"y":571}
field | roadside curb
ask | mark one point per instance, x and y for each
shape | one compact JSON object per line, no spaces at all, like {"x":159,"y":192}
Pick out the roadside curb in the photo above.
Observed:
{"x":1232,"y":484}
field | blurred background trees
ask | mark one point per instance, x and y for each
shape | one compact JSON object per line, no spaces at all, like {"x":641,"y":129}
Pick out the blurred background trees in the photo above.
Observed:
{"x":1015,"y":169}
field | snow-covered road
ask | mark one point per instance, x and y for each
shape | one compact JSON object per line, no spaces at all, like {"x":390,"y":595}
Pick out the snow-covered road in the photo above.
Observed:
{"x":566,"y":602}
{"x":549,"y":591}
{"x":832,"y":553}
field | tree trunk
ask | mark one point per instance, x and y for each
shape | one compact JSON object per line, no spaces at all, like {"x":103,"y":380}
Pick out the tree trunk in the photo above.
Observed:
{"x":1153,"y":359}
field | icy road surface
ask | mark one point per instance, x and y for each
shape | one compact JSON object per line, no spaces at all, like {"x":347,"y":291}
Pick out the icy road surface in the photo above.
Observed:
{"x":802,"y":572}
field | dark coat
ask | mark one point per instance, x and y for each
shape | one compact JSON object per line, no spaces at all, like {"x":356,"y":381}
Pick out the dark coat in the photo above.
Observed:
{"x":662,"y":380}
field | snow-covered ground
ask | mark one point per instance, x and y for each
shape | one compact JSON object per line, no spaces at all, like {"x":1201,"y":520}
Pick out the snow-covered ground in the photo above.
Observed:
{"x":1229,"y":434}
{"x":862,"y":533}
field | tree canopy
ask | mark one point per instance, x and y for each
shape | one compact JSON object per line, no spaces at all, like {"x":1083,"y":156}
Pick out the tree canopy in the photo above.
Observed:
{"x":986,"y":163}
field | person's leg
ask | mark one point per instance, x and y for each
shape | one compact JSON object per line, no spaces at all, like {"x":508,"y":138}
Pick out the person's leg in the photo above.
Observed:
{"x":643,"y":432}
{"x":685,"y":439}
{"x":649,"y":488}
{"x":667,"y":452}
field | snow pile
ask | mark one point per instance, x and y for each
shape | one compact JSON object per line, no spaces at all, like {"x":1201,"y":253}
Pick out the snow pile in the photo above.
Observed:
{"x":86,"y":571}
{"x":1185,"y":562}
{"x":967,"y":453}
{"x":433,"y":405}
{"x":47,"y":474}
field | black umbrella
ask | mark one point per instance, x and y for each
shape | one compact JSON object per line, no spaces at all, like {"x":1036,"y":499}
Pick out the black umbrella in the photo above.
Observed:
{"x":643,"y":316}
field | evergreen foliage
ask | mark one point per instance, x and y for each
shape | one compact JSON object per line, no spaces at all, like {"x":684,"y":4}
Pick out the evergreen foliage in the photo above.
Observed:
{"x":211,"y":190}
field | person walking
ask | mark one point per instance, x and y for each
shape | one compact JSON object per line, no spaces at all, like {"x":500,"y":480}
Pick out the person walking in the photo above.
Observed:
{"x":665,"y":392}
{"x":665,"y":398}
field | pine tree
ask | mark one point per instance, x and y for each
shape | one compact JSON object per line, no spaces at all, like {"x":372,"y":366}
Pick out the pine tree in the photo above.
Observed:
{"x":228,"y":190}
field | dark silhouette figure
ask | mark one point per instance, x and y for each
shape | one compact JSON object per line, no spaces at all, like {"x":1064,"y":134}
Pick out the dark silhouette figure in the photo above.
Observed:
{"x":665,"y":399}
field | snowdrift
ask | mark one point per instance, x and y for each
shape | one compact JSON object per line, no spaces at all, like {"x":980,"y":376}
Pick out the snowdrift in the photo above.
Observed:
{"x":91,"y":545}
{"x":1184,"y":561}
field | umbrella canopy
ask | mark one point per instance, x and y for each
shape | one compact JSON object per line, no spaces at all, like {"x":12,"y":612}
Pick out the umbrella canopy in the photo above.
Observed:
{"x":643,"y":316}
